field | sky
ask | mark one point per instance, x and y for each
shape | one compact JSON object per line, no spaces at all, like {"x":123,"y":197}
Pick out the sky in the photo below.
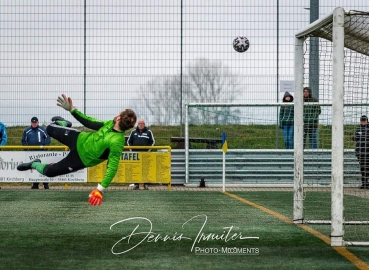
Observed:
{"x":104,"y":59}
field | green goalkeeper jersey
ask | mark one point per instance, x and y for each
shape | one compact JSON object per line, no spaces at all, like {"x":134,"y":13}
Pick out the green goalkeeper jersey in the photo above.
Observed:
{"x":96,"y":147}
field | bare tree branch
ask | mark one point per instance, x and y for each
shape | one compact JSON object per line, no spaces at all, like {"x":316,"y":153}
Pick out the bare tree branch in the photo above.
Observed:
{"x":205,"y":81}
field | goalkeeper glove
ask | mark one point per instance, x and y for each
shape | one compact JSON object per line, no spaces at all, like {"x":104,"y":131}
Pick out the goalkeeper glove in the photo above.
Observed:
{"x":96,"y":196}
{"x":65,"y":102}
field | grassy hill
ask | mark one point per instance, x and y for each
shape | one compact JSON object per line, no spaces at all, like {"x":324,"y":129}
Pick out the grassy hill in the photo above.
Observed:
{"x":238,"y":136}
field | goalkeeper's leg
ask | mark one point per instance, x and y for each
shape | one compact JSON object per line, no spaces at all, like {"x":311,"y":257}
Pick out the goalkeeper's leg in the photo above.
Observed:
{"x":65,"y":135}
{"x":69,"y":164}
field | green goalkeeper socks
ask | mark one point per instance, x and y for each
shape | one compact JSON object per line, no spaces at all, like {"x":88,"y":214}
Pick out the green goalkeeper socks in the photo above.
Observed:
{"x":62,"y":123}
{"x":38,"y":167}
{"x":58,"y":120}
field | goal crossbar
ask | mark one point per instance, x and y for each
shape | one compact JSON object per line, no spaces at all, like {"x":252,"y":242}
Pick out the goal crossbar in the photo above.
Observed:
{"x":355,"y":39}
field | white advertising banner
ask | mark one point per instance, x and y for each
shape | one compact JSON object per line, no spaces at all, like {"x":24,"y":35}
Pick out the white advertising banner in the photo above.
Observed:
{"x":9,"y":160}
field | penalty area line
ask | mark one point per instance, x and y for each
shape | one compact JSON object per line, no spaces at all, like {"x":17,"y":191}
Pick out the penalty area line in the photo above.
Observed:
{"x":360,"y":264}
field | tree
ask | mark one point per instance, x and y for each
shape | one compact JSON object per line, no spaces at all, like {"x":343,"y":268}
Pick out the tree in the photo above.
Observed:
{"x":205,"y":82}
{"x":162,"y":97}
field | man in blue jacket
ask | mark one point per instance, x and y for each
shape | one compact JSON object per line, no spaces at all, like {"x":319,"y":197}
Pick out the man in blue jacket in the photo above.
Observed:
{"x":36,"y":135}
{"x":3,"y":135}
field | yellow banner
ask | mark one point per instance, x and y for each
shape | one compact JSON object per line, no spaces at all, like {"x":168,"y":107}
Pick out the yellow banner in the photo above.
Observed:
{"x":137,"y":167}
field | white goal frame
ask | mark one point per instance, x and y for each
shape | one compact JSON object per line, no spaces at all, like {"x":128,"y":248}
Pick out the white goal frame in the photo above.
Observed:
{"x":337,"y":36}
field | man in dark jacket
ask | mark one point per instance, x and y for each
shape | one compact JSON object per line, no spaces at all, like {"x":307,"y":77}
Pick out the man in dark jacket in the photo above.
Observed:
{"x":361,"y":139}
{"x":141,"y":136}
{"x":36,"y":135}
{"x":311,"y":119}
{"x":286,"y":115}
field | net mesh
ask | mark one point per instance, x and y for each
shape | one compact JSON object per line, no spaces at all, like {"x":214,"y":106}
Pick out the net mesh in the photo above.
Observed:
{"x":318,"y":69}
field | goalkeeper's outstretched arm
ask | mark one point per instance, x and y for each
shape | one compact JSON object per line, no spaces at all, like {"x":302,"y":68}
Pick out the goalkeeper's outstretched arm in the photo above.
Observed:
{"x":67,"y":104}
{"x":87,"y":121}
{"x":96,"y":195}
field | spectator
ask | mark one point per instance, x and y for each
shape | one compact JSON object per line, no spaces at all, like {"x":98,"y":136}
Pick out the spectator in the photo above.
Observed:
{"x":36,"y":135}
{"x":286,"y":115}
{"x":361,"y":139}
{"x":87,"y":148}
{"x":311,"y":119}
{"x":141,"y":136}
{"x":3,"y":135}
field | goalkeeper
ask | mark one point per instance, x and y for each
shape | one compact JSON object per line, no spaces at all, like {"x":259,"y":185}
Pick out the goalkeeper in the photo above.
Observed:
{"x":87,"y":149}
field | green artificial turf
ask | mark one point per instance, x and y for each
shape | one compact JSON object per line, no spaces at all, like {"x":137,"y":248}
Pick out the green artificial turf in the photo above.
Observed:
{"x":60,"y":230}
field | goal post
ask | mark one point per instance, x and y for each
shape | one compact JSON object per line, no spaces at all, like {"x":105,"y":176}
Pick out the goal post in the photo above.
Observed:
{"x":337,"y":128}
{"x":342,"y":75}
{"x":298,"y":132}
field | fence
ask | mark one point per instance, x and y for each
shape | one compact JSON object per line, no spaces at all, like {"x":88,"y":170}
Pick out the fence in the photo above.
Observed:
{"x":152,"y":56}
{"x":260,"y":168}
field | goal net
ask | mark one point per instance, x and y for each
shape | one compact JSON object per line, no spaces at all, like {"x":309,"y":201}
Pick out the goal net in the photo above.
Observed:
{"x":332,"y":59}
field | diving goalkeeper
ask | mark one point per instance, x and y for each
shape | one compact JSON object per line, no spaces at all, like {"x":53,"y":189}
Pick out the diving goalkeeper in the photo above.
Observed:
{"x":87,"y":149}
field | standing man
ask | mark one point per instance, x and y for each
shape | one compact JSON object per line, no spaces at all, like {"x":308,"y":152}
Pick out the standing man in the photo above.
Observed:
{"x":361,"y":139}
{"x":36,"y":135}
{"x":3,"y":135}
{"x":311,"y":119}
{"x":286,"y":119}
{"x":141,"y":136}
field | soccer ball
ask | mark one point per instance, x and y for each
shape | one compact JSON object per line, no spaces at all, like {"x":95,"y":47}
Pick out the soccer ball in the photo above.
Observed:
{"x":241,"y":44}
